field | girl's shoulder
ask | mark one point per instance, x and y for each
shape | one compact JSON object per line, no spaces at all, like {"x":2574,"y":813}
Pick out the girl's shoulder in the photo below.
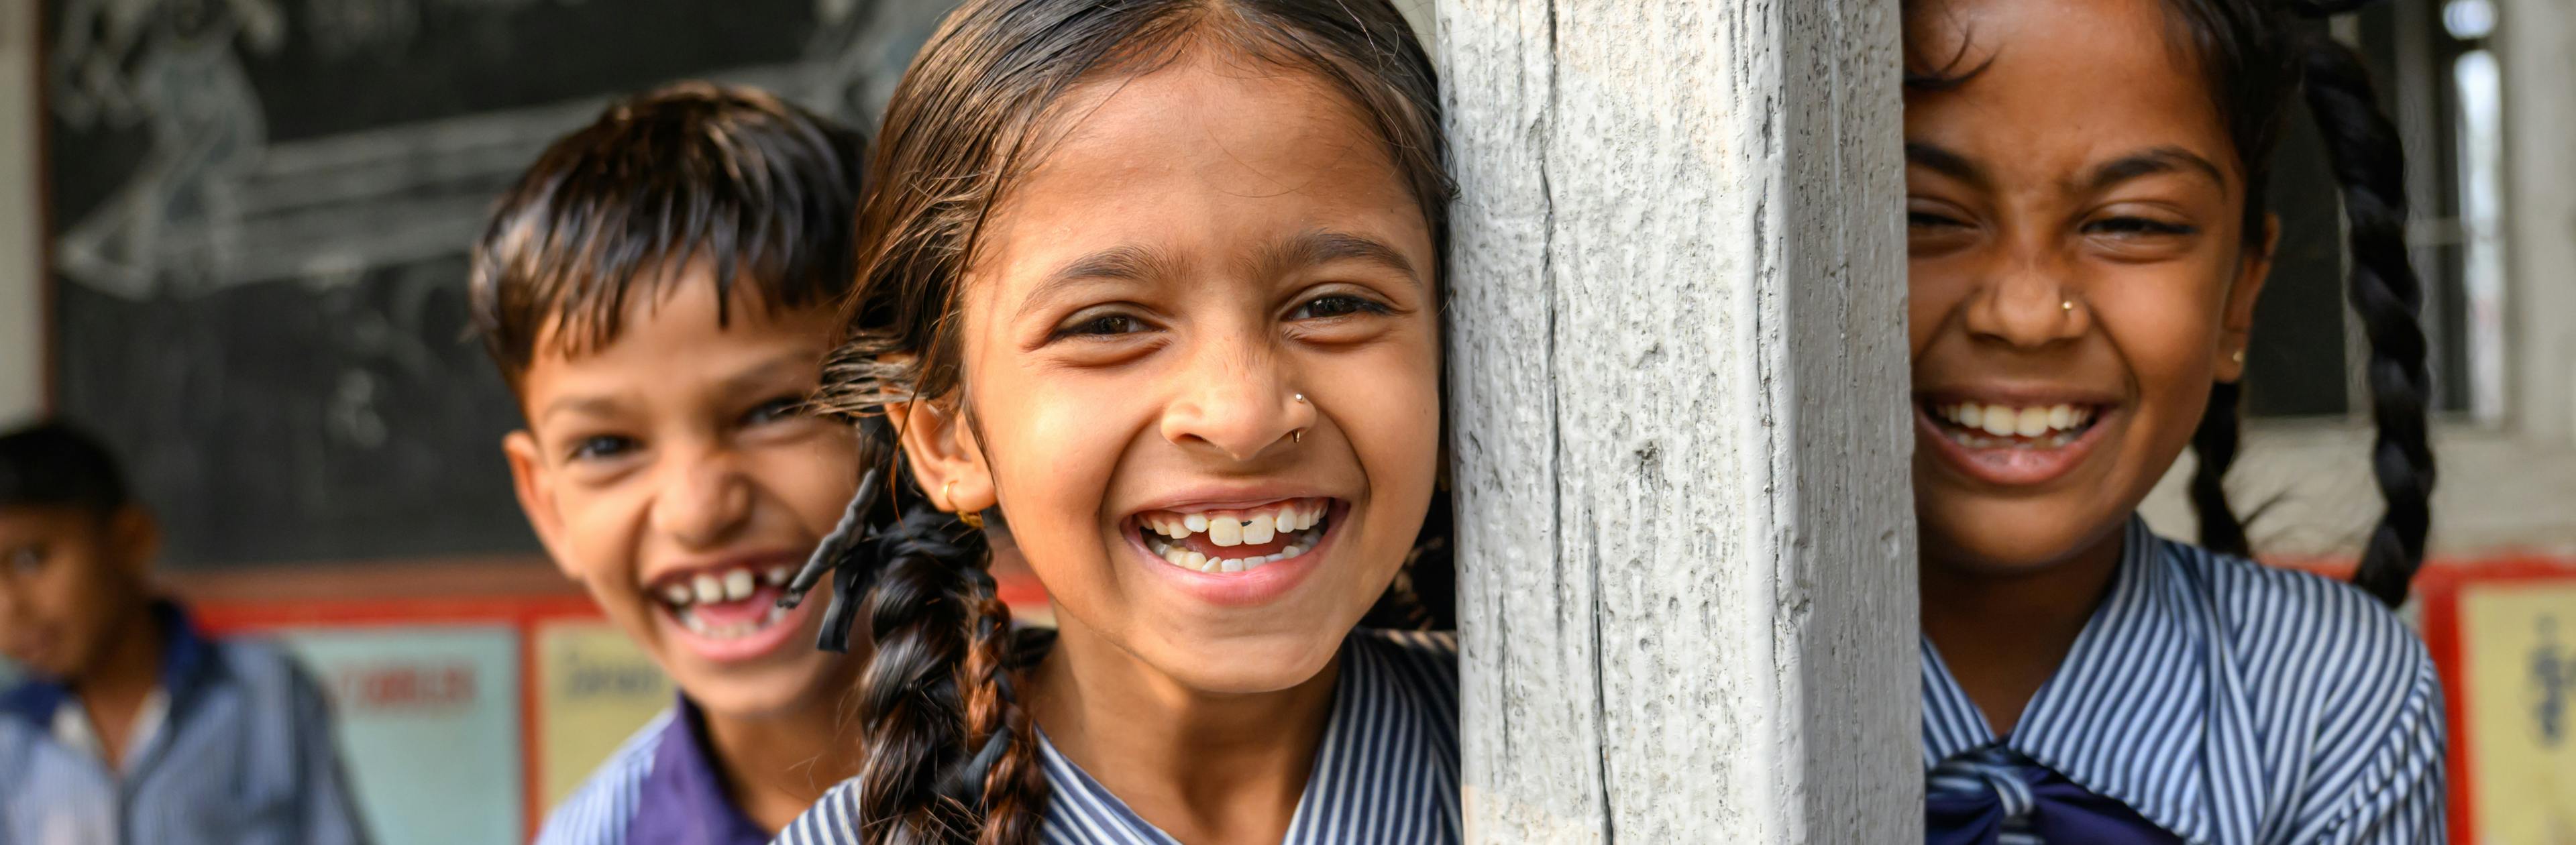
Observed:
{"x":2298,"y":627}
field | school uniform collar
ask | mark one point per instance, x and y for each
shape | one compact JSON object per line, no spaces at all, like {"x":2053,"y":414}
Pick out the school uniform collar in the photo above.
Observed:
{"x":1371,"y":742}
{"x":2145,"y":709}
{"x":185,"y":664}
{"x":682,"y":800}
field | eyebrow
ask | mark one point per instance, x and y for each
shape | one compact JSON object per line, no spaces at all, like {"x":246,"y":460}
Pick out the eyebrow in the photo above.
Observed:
{"x":1121,"y":263}
{"x":750,"y":379}
{"x":1947,"y":163}
{"x":2152,"y":162}
{"x":1323,"y":246}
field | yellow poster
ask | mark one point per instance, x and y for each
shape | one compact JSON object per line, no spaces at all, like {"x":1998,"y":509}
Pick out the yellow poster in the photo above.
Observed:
{"x":595,"y":689}
{"x":2518,"y":644}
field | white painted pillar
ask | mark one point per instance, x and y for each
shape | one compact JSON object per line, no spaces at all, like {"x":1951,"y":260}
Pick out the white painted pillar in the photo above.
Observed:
{"x":22,"y":359}
{"x":1678,"y":385}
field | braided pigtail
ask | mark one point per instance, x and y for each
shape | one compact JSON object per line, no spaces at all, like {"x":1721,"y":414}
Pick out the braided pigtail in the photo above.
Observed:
{"x":2214,"y":445}
{"x":910,"y":704}
{"x":1007,"y":781}
{"x":2362,"y":146}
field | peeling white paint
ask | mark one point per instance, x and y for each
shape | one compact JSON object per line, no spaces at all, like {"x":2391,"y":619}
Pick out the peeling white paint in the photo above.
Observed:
{"x":1685,"y":531}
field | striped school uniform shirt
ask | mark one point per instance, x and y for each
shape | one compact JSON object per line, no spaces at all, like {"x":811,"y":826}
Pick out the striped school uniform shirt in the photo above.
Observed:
{"x":234,"y":745}
{"x":1386,"y":772}
{"x":661,"y":788}
{"x":2210,"y":699}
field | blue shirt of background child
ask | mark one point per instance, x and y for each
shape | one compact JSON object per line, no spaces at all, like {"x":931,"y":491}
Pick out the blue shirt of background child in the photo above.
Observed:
{"x":234,"y":747}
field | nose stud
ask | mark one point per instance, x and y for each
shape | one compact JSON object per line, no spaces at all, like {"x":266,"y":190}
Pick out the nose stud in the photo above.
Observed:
{"x":1301,"y":398}
{"x":2067,"y":306}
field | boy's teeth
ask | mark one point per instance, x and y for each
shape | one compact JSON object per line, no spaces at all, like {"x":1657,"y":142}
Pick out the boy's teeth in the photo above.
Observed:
{"x":1196,"y":523}
{"x":778,"y":576}
{"x":1258,"y":529}
{"x":1225,"y":531}
{"x":708,"y":588}
{"x":677,"y":593}
{"x":737,"y":585}
{"x":731,"y":630}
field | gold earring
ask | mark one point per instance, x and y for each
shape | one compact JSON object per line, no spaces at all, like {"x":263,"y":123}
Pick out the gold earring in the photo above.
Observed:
{"x":1301,"y":398}
{"x":1298,"y":436}
{"x":972,"y":519}
{"x":2238,"y":355}
{"x":2067,"y":305}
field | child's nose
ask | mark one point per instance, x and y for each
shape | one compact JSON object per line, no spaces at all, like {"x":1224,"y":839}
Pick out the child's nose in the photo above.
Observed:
{"x":703,"y":500}
{"x":2029,"y":302}
{"x":1237,"y":402}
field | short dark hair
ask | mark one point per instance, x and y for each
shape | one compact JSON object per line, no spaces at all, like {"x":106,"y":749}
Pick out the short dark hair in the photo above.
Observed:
{"x":52,"y":464}
{"x":749,"y":183}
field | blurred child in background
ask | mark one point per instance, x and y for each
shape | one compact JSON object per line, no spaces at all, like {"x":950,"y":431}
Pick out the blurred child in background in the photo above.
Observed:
{"x":133,"y":725}
{"x":659,"y":291}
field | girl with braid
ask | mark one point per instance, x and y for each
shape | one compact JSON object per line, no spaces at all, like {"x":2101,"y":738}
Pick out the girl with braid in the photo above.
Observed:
{"x":1149,"y":294}
{"x":2087,"y":237}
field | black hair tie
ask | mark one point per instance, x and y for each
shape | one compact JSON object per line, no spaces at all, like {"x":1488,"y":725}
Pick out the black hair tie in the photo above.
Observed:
{"x":852,"y":540}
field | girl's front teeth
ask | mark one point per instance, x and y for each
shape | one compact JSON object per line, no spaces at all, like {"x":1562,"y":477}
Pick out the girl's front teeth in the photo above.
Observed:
{"x":1300,"y":520}
{"x":2049,"y":424}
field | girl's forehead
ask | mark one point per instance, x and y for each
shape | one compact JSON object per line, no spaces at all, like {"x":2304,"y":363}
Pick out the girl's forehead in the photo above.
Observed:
{"x":1200,"y":155}
{"x":2048,"y":85}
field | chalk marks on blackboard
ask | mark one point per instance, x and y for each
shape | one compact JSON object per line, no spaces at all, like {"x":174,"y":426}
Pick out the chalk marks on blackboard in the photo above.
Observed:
{"x":171,"y":67}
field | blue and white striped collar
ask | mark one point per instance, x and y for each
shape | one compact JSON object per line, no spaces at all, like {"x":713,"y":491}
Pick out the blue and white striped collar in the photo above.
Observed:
{"x":2132,"y":713}
{"x":1386,"y":771}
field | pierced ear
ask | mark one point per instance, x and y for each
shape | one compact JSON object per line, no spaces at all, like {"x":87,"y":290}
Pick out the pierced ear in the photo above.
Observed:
{"x":535,"y":484}
{"x":2236,"y":319}
{"x":945,"y":458}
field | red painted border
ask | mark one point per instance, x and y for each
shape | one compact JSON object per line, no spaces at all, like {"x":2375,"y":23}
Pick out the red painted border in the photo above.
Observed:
{"x":524,"y":615}
{"x":2439,"y":587}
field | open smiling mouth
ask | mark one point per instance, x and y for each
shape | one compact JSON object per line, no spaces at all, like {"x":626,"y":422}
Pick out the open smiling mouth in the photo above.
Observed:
{"x":725,"y":604}
{"x":1235,"y":539}
{"x":1977,"y":426}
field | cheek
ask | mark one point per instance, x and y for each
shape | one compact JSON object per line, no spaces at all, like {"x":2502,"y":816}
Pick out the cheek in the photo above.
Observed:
{"x":1933,"y":289}
{"x":814,"y":477}
{"x":602,"y":526}
{"x":2165,"y":328}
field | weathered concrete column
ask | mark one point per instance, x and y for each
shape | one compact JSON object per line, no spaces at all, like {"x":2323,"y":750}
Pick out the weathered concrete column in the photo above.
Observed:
{"x":1680,"y":418}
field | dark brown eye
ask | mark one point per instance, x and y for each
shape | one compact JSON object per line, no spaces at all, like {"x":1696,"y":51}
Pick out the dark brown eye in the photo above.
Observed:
{"x":24,"y":560}
{"x":1335,"y":305}
{"x":2137,"y":226}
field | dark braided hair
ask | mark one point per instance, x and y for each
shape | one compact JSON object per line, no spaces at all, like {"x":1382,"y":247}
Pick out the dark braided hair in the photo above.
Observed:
{"x":951,"y":756}
{"x":2257,"y":57}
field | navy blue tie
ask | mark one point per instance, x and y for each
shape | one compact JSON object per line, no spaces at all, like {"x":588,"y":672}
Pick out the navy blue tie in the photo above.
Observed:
{"x":1992,"y":796}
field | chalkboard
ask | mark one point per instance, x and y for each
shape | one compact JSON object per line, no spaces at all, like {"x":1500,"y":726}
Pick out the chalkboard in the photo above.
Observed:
{"x":260,"y":211}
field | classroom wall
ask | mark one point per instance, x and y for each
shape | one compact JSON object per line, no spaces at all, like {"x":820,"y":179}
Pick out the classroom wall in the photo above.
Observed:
{"x":22,"y":359}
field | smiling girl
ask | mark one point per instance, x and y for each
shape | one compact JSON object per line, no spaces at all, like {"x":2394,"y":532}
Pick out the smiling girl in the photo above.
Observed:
{"x":1150,"y":291}
{"x":2088,"y":236}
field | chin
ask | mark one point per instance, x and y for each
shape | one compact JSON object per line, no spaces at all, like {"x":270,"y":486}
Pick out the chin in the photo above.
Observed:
{"x":1997,"y":538}
{"x":1246,"y":664}
{"x":754,"y":693}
